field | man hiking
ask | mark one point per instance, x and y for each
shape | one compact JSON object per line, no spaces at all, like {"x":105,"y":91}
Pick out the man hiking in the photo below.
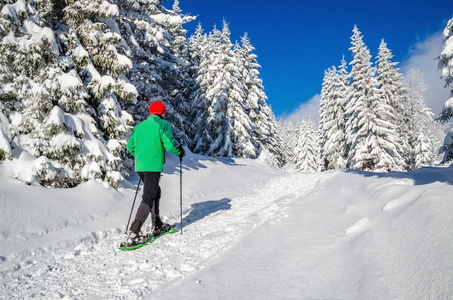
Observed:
{"x":326,"y":164}
{"x":147,"y":144}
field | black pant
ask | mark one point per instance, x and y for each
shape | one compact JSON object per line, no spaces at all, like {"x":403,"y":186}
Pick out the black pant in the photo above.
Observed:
{"x":150,"y":201}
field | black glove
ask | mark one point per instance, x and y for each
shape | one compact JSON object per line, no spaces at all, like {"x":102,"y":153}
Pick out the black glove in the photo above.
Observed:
{"x":182,"y":152}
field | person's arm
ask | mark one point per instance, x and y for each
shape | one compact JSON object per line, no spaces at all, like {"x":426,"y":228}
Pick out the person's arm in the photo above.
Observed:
{"x":169,"y":141}
{"x":131,"y":144}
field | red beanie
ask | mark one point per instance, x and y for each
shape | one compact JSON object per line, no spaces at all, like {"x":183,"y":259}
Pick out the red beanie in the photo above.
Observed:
{"x":157,"y":108}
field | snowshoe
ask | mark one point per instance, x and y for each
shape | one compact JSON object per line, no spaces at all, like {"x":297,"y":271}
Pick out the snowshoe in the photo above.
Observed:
{"x":134,"y":239}
{"x":158,"y":230}
{"x":135,"y":242}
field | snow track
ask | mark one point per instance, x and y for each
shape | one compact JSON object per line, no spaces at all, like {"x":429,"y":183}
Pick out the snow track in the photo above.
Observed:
{"x":250,"y":232}
{"x":92,"y":267}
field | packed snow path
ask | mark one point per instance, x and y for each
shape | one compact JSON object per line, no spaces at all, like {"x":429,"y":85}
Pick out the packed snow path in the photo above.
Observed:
{"x":355,"y":235}
{"x":349,"y":235}
{"x":95,"y":268}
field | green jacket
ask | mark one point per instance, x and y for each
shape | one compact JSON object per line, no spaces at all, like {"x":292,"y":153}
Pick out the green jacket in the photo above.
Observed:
{"x":148,"y":143}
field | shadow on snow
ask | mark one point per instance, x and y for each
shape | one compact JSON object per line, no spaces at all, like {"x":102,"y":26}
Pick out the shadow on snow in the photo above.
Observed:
{"x":201,"y":210}
{"x":422,"y":176}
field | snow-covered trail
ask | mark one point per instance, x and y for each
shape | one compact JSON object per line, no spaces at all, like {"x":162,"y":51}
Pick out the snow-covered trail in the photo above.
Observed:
{"x":94,"y":268}
{"x":354,"y":236}
{"x":250,"y":233}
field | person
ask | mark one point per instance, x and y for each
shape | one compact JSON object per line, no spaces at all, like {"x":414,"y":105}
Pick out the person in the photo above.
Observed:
{"x":326,"y":163}
{"x":147,"y":144}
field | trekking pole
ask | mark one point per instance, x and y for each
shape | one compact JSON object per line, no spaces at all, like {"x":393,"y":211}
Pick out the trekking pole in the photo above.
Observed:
{"x":136,"y":192}
{"x":180,"y":190}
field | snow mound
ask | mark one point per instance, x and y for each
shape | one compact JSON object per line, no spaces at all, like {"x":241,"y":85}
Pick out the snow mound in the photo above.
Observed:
{"x":250,"y":231}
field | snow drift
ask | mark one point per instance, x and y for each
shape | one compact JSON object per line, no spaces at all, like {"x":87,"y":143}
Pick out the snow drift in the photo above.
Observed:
{"x":250,"y":232}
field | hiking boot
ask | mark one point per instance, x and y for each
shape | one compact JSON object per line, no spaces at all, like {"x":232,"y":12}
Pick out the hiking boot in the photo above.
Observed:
{"x":164,"y":227}
{"x":134,"y":239}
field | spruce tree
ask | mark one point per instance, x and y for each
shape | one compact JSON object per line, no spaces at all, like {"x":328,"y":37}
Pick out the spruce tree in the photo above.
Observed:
{"x":446,"y":65}
{"x":286,"y":134}
{"x":6,"y":136}
{"x":389,"y":110}
{"x":63,"y":87}
{"x":202,"y":47}
{"x":424,"y":135}
{"x":331,"y":116}
{"x":225,"y":128}
{"x":260,"y":114}
{"x":359,"y":106}
{"x":342,"y":97}
{"x":306,"y":150}
{"x":392,"y":107}
{"x":371,"y":131}
{"x":155,"y":41}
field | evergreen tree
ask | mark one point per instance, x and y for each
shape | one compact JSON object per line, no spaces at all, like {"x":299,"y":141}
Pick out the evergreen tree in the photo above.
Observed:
{"x":224,"y":127}
{"x":274,"y":143}
{"x":392,"y":108}
{"x":63,"y":87}
{"x":343,"y":89}
{"x":306,"y":150}
{"x":286,"y":134}
{"x":155,"y":41}
{"x":196,"y":48}
{"x":202,"y":48}
{"x":255,"y":106}
{"x":424,"y":135}
{"x":331,"y":116}
{"x":446,"y":65}
{"x":75,"y":76}
{"x":5,"y":136}
{"x":181,"y":91}
{"x":372,"y":137}
{"x":325,"y":109}
{"x":359,"y":107}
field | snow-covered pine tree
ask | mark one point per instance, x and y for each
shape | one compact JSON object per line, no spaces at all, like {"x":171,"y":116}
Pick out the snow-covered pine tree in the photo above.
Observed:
{"x":5,"y":136}
{"x":261,"y":116}
{"x":287,"y":139}
{"x":331,"y":116}
{"x":181,"y":91}
{"x":274,"y":145}
{"x":359,"y":106}
{"x":95,"y":44}
{"x":155,"y":39}
{"x":61,"y":88}
{"x":372,"y":137}
{"x":178,"y":32}
{"x":196,"y":48}
{"x":446,"y":65}
{"x":392,"y":109}
{"x":342,"y":97}
{"x":307,"y":150}
{"x":203,"y":48}
{"x":326,"y":109}
{"x":222,"y":124}
{"x":26,"y":49}
{"x":424,"y":135}
{"x":292,"y":134}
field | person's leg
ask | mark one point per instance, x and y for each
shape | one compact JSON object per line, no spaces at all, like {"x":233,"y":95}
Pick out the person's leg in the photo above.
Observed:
{"x":151,"y":191}
{"x":155,"y":216}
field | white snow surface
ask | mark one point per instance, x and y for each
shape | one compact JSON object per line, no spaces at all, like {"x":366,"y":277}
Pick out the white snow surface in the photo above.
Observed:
{"x":250,"y":232}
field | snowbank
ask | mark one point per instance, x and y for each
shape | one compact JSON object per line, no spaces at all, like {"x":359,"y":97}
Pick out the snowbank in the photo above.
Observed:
{"x":250,"y":232}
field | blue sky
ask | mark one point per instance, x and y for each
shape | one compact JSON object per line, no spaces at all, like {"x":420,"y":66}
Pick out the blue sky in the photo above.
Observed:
{"x":297,"y":40}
